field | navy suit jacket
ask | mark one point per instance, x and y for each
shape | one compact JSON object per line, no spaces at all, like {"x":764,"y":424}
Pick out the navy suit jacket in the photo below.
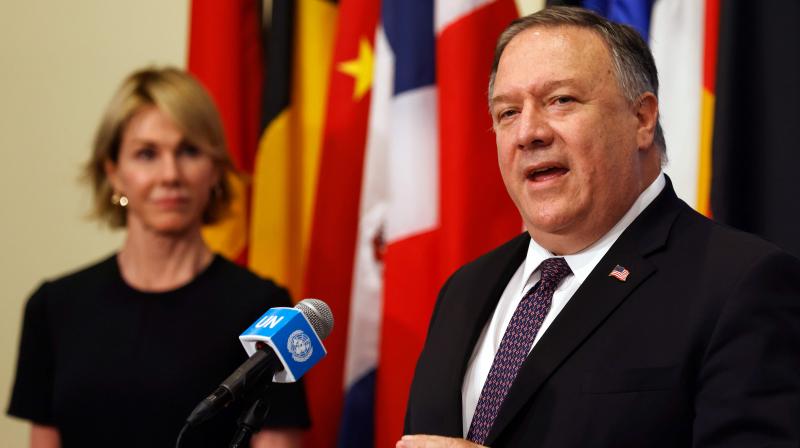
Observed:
{"x":699,"y":347}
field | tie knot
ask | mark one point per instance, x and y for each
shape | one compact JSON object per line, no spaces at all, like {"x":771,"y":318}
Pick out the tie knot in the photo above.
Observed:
{"x":554,"y":269}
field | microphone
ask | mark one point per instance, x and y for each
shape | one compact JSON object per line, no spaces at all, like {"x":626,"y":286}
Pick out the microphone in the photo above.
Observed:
{"x":283,"y":344}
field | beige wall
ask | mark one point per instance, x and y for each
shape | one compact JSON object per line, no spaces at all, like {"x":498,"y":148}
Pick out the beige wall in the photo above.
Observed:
{"x":59,"y":63}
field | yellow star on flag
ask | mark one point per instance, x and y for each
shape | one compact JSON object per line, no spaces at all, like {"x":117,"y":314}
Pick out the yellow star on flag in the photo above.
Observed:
{"x":360,"y":69}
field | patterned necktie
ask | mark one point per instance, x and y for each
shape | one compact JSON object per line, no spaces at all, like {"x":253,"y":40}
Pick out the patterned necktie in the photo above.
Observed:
{"x":514,"y":347}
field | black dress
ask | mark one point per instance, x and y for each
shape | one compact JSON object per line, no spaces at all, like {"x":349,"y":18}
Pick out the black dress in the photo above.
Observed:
{"x":109,"y":365}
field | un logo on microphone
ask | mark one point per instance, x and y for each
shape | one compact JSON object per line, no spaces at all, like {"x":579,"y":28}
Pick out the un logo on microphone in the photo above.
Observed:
{"x":299,"y":345}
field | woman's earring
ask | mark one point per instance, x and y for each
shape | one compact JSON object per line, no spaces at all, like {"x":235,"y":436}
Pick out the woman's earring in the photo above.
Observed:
{"x":119,"y":199}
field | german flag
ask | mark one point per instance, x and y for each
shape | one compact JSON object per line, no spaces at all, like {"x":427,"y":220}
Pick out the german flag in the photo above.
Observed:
{"x":707,"y":99}
{"x":284,"y":183}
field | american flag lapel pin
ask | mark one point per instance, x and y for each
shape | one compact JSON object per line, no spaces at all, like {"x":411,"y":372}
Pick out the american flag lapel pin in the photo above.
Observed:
{"x":619,"y":273}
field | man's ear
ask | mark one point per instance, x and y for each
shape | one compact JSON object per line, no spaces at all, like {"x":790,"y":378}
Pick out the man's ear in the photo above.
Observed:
{"x":647,"y":116}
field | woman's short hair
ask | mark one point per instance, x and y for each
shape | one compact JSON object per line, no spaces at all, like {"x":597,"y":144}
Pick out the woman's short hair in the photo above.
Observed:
{"x":184,"y":100}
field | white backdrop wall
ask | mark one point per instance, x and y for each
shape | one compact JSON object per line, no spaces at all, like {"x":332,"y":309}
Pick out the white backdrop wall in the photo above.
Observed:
{"x":60,"y":61}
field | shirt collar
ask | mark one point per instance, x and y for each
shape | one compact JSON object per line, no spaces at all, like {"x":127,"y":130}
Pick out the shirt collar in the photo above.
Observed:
{"x":582,"y":263}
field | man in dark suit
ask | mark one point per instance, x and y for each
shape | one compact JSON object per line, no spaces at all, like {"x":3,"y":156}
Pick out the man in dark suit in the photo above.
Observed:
{"x":621,"y":318}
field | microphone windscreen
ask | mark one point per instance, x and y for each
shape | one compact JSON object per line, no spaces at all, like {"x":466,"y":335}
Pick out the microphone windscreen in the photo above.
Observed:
{"x":318,"y":314}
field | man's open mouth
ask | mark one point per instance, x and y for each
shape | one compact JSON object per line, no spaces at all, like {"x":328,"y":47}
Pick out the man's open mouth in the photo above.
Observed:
{"x":546,"y":172}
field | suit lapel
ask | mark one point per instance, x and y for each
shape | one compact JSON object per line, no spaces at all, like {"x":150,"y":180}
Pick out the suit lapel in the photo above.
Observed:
{"x":592,"y":303}
{"x":477,"y":300}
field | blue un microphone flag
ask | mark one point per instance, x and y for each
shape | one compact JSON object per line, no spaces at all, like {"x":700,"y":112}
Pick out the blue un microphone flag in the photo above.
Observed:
{"x":290,"y":335}
{"x":293,"y":336}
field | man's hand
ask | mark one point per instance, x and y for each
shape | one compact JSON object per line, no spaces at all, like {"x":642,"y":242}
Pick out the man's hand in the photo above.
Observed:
{"x":425,"y":441}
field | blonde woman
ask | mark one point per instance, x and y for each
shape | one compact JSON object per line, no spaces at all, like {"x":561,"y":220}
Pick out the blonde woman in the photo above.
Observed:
{"x":118,"y":353}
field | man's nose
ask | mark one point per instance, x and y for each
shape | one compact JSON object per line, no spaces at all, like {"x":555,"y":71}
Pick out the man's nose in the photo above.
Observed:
{"x":534,"y":129}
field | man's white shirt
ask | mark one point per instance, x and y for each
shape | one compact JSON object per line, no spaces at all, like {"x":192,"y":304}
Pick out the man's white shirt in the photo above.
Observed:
{"x":526,"y":276}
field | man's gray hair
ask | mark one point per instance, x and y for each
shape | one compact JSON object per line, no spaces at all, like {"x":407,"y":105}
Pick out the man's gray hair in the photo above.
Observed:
{"x":633,"y":63}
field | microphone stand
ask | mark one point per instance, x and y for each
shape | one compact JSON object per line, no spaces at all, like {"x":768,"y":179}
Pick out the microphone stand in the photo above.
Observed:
{"x":252,"y":419}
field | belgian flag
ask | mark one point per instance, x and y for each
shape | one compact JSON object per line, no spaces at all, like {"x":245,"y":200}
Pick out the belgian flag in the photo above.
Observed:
{"x":300,"y":49}
{"x":268,"y":73}
{"x":225,"y":54}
